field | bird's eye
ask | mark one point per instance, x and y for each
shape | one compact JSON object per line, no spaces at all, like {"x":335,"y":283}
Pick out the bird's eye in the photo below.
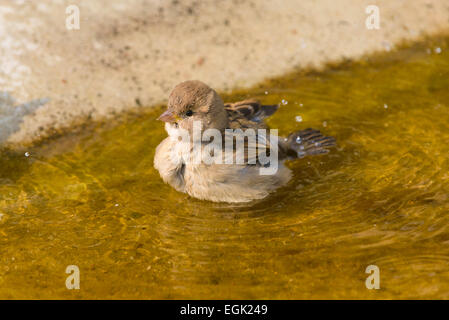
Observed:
{"x":189,"y":113}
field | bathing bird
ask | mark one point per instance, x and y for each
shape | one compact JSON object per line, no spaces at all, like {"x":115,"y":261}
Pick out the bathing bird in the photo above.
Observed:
{"x":196,"y":114}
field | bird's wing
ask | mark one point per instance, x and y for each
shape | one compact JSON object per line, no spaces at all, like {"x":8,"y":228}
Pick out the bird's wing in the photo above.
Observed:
{"x":248,"y":114}
{"x":248,"y":146}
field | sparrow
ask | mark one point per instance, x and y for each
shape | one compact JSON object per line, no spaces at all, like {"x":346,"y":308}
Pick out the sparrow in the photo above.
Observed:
{"x":193,"y":101}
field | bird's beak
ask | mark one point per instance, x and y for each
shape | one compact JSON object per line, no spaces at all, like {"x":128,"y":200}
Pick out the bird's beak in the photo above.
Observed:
{"x":167,"y":116}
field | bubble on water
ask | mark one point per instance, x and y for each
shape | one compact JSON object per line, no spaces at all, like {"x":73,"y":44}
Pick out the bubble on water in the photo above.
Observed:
{"x":284,"y":102}
{"x":324,"y":123}
{"x":116,"y":205}
{"x":27,"y":154}
{"x":438,"y":50}
{"x":298,"y":139}
{"x":385,"y":106}
{"x":300,"y":104}
{"x":266,"y":92}
{"x":298,"y":119}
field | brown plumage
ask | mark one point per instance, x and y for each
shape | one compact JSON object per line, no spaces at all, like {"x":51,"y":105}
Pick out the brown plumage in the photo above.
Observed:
{"x":194,"y":101}
{"x":248,"y":114}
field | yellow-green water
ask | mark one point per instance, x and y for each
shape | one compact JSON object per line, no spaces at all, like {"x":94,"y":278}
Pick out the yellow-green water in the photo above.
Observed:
{"x":94,"y":200}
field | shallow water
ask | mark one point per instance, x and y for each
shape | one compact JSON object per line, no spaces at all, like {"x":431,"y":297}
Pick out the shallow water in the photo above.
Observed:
{"x":94,"y":200}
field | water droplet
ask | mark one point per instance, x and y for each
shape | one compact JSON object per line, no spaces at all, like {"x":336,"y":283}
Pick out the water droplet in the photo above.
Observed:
{"x":284,"y":102}
{"x":266,"y":92}
{"x":300,"y":104}
{"x":298,"y":139}
{"x":301,"y":154}
{"x":116,"y":205}
{"x":385,"y":106}
{"x":438,"y":50}
{"x":298,"y":119}
{"x":27,"y":154}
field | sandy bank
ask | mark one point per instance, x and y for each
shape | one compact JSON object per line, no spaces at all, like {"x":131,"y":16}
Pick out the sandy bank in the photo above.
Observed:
{"x":131,"y":53}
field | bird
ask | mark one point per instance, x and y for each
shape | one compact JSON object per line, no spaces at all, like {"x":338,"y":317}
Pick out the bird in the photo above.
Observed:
{"x":194,"y":101}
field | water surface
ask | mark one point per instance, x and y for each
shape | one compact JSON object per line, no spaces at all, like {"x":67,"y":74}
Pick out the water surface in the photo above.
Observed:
{"x":93,"y":199}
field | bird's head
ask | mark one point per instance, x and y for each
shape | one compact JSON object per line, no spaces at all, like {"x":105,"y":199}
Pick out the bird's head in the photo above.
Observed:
{"x":194,"y":101}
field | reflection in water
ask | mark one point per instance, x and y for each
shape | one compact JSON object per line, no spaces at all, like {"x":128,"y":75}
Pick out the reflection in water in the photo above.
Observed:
{"x":95,"y":200}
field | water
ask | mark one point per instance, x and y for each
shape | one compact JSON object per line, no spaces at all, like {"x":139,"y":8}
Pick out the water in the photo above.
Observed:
{"x":93,"y":199}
